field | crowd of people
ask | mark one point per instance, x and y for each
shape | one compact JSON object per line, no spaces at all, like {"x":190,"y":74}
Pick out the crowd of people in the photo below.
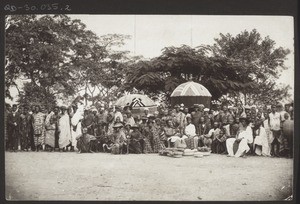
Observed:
{"x":224,"y":129}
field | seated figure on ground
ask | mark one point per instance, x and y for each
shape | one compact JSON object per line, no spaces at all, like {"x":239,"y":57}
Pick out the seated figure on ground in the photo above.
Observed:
{"x":190,"y":137}
{"x":84,"y":141}
{"x":209,"y":139}
{"x":244,"y":138}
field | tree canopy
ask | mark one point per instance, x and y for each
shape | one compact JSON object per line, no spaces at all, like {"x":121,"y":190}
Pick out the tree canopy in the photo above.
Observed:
{"x":244,"y":64}
{"x":60,"y":57}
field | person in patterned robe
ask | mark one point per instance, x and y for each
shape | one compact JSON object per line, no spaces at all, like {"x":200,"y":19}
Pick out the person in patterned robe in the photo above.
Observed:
{"x":51,"y":125}
{"x":154,"y":134}
{"x":38,"y":124}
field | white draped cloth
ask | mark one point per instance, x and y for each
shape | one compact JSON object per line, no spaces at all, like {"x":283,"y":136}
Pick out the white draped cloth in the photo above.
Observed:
{"x":75,"y":123}
{"x":262,"y":143}
{"x":65,"y":131}
{"x":246,"y":137}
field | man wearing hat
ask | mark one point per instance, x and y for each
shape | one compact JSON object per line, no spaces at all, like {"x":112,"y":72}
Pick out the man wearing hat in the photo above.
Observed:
{"x":244,"y":137}
{"x":135,"y":137}
{"x":119,"y":139}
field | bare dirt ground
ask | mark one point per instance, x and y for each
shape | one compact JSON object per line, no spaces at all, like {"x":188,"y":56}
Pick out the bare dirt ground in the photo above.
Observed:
{"x":100,"y":176}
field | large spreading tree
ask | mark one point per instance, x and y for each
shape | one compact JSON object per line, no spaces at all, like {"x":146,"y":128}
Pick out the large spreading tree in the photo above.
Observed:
{"x":245,"y":64}
{"x":58,"y":56}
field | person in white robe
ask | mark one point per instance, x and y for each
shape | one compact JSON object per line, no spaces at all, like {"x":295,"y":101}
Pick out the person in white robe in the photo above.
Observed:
{"x":261,"y":143}
{"x":244,"y":137}
{"x":76,"y":124}
{"x":64,"y":129}
{"x":190,"y":134}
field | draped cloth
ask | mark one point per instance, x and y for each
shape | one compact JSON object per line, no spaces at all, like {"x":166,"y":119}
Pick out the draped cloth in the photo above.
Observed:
{"x":50,"y":124}
{"x":65,"y":131}
{"x":262,"y":143}
{"x":76,"y":125}
{"x":246,"y":137}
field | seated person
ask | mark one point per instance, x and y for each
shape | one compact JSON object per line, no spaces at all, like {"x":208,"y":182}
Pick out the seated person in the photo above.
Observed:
{"x":260,"y":144}
{"x":135,"y":137}
{"x":119,"y":140}
{"x":209,"y":139}
{"x":242,"y":140}
{"x":84,"y":141}
{"x":232,"y":128}
{"x":171,"y":133}
{"x":190,"y":137}
{"x":100,"y":137}
{"x":221,"y":141}
{"x":204,"y":127}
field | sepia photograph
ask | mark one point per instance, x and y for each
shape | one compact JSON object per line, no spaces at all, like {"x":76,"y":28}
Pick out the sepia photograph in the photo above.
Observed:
{"x":149,"y":107}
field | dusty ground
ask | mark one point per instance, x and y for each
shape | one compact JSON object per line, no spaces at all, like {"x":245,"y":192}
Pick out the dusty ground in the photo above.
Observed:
{"x":100,"y":176}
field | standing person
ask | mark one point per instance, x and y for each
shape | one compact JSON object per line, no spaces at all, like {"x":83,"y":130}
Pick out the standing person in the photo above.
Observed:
{"x":88,"y":122}
{"x":274,"y":123}
{"x":38,"y":124}
{"x":130,"y":119}
{"x":25,"y":123}
{"x":216,"y":114}
{"x":154,"y":136}
{"x":51,"y":124}
{"x":179,"y":118}
{"x":268,"y":130}
{"x":196,"y":117}
{"x":288,"y":133}
{"x":32,"y":111}
{"x":102,"y":117}
{"x":224,"y":115}
{"x":244,"y":137}
{"x":13,"y":122}
{"x":261,"y":143}
{"x":6,"y":128}
{"x":118,"y":114}
{"x":64,"y":130}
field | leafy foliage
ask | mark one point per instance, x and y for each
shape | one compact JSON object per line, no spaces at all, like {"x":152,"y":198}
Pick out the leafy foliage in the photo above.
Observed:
{"x":242,"y":64}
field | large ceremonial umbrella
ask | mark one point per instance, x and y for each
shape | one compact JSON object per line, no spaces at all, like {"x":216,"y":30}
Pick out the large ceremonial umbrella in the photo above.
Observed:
{"x":137,"y":102}
{"x":191,"y":93}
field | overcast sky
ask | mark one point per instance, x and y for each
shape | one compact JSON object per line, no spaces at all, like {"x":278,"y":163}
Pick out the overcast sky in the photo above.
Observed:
{"x":151,"y":33}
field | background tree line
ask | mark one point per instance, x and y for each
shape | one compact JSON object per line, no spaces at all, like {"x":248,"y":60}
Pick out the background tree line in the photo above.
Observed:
{"x":59,"y":57}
